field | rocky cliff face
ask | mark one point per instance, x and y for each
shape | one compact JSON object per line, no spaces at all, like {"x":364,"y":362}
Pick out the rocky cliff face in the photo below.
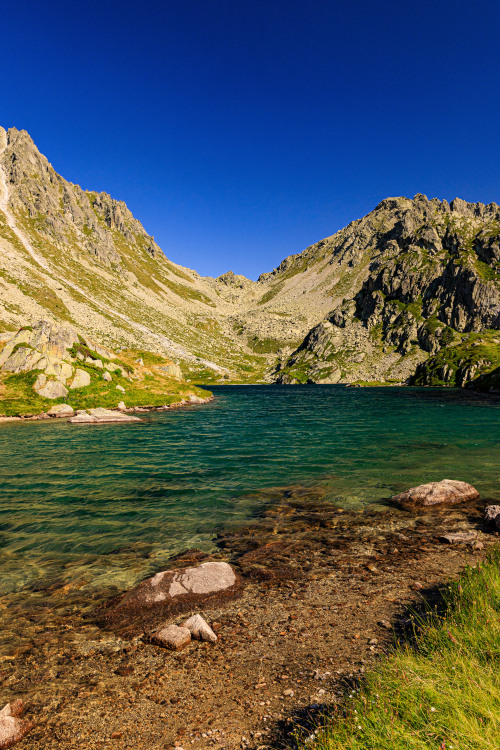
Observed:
{"x":427,"y":277}
{"x":372,"y":302}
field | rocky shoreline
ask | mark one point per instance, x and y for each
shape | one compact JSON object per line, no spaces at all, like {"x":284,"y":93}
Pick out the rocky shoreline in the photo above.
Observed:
{"x":100,"y":415}
{"x":323,"y":592}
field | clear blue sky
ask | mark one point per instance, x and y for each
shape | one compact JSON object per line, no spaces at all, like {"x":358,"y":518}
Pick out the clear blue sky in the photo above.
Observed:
{"x":240,"y":131}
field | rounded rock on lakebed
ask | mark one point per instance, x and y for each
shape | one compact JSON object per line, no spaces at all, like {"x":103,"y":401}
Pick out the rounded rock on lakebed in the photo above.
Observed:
{"x":171,"y":592}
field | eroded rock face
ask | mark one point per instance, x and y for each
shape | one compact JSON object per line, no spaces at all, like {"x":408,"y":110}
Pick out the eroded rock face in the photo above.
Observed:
{"x":446,"y":492}
{"x":170,"y":592}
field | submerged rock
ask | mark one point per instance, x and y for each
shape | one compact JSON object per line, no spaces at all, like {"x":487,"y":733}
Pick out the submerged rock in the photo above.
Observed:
{"x":448,"y":491}
{"x":171,"y":636}
{"x":12,"y":728}
{"x":492,"y":515}
{"x":200,"y":629}
{"x":170,"y":592}
{"x":459,"y":537}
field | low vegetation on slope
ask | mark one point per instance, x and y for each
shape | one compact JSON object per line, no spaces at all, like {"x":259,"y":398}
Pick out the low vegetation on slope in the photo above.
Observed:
{"x":476,"y":355}
{"x":443,"y":691}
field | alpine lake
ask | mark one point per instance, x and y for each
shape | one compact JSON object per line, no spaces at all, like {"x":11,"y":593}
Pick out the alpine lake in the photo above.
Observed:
{"x":110,"y":504}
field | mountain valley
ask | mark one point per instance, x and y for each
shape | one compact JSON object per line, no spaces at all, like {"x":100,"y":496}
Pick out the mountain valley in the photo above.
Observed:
{"x":409,"y":293}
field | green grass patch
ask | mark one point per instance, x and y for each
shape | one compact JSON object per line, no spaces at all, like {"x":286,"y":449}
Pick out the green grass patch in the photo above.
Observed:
{"x":271,"y":293}
{"x":264,"y":346}
{"x":443,"y":690}
{"x":486,"y":272}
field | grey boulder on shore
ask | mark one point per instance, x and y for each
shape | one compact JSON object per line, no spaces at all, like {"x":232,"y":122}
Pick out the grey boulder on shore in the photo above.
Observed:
{"x":446,"y":492}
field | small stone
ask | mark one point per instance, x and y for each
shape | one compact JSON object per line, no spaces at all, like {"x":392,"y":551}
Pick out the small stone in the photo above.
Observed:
{"x":200,"y":629}
{"x":385,"y":624}
{"x":120,"y":388}
{"x":172,"y":637}
{"x":94,"y":362}
{"x":106,"y":376}
{"x":121,"y":406}
{"x":288,"y":693}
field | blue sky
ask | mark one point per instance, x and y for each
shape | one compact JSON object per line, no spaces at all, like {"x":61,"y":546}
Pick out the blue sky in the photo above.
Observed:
{"x":240,"y":131}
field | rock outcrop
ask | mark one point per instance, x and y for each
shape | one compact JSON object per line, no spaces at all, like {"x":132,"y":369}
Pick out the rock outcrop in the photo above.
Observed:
{"x":425,"y":277}
{"x":52,"y":362}
{"x":101,"y":416}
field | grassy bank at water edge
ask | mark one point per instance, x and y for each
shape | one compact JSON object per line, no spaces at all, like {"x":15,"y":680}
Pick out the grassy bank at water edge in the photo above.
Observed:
{"x":440,"y":691}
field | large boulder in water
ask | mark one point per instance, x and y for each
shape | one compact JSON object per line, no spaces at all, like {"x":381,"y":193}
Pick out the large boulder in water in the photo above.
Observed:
{"x":446,"y":492}
{"x":170,"y":592}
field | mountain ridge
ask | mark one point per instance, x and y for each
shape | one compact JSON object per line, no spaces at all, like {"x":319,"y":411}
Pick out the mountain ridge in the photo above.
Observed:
{"x":80,"y":256}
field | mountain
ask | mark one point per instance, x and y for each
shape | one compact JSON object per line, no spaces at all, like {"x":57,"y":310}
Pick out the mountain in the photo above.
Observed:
{"x":416,"y":279}
{"x":374,"y":301}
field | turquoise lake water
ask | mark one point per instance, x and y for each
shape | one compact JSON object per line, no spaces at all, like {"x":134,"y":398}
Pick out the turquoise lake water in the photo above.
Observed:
{"x":110,"y":502}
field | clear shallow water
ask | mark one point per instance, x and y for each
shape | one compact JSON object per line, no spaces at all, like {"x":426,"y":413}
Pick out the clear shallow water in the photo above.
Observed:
{"x":109,"y":503}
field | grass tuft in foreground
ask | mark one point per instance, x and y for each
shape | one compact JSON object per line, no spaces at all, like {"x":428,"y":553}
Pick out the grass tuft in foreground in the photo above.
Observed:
{"x":443,"y":691}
